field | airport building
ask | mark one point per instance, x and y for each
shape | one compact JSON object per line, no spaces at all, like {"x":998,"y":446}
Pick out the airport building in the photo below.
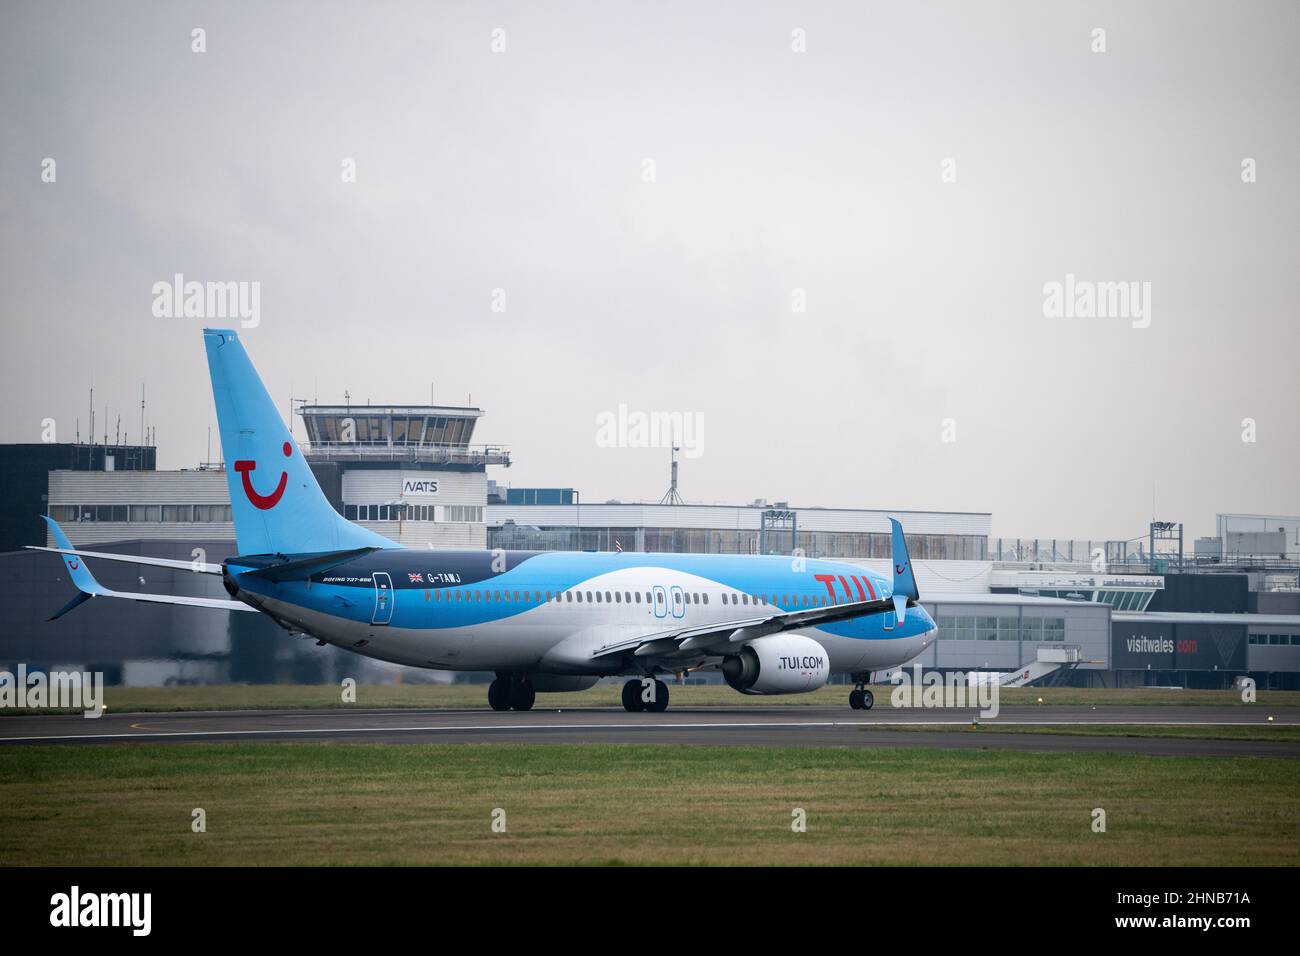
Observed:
{"x":407,"y":472}
{"x":412,"y":474}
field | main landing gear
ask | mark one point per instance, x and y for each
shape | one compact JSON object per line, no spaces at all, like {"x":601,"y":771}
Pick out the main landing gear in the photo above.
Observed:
{"x":511,"y":692}
{"x":642,"y":694}
{"x":859,"y":697}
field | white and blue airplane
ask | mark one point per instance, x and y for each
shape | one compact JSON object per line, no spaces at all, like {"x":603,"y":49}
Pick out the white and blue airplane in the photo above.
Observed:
{"x":542,"y":620}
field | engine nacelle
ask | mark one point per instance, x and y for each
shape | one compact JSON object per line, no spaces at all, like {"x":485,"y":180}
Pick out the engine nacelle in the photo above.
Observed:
{"x":778,"y":665}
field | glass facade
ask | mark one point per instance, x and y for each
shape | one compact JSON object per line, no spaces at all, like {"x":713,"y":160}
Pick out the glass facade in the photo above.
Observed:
{"x":364,"y":425}
{"x":1275,"y":640}
{"x":127,"y":514}
{"x":1001,"y":627}
{"x":815,"y":544}
{"x":401,"y":512}
{"x":1120,"y":600}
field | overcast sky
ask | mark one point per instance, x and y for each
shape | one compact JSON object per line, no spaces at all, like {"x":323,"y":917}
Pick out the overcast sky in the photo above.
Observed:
{"x":525,"y":170}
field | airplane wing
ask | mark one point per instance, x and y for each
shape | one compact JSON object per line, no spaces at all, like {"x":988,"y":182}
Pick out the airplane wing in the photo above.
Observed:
{"x":198,"y":567}
{"x":715,"y":638}
{"x":88,"y":587}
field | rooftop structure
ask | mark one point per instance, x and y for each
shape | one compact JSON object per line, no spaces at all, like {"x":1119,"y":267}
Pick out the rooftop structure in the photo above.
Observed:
{"x":431,"y":434}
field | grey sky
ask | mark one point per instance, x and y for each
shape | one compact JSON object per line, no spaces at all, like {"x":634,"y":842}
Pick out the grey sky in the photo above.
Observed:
{"x":775,"y":170}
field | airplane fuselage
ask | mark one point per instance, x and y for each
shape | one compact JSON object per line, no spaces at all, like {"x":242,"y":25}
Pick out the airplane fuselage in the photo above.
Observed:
{"x":561,"y":612}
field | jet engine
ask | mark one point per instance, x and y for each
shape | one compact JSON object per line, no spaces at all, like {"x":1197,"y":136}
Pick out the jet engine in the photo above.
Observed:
{"x":780,"y":664}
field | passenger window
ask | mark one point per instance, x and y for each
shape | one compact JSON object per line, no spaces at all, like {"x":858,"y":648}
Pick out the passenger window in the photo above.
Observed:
{"x":706,"y":597}
{"x":579,"y":597}
{"x":638,"y":597}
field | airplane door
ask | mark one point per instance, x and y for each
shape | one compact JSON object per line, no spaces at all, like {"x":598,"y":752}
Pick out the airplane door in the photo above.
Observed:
{"x":890,"y":620}
{"x":383,"y":598}
{"x":661,"y":602}
{"x":679,"y":602}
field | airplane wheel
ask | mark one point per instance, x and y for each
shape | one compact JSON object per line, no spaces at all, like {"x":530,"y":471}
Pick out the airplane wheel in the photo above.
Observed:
{"x":660,"y":703}
{"x":867,"y":699}
{"x":499,"y":694}
{"x":855,"y":699}
{"x":522,"y":695}
{"x":632,"y":696}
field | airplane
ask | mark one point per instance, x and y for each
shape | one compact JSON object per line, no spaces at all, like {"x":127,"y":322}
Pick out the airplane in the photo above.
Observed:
{"x":541,"y":620}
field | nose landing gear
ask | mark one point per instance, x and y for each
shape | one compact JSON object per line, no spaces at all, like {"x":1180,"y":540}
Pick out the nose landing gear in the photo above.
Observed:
{"x":861,"y":699}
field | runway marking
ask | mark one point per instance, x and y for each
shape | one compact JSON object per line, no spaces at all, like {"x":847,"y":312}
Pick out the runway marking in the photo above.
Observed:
{"x":764,"y":725}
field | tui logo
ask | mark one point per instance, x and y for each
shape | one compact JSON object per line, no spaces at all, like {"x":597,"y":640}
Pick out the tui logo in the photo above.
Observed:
{"x":264,"y":502}
{"x":900,"y":568}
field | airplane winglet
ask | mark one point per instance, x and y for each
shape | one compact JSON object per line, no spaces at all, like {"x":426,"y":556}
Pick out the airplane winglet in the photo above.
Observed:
{"x":88,"y":587}
{"x":78,"y":599}
{"x":81,"y":576}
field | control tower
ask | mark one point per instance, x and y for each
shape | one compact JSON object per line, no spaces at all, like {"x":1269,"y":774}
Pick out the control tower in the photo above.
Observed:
{"x":408,"y":472}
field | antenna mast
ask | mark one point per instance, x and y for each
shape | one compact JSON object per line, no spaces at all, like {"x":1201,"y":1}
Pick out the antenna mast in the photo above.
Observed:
{"x":671,"y":497}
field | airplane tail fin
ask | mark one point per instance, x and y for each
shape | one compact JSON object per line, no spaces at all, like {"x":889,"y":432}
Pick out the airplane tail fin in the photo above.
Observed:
{"x":904,"y":580}
{"x":278,"y":507}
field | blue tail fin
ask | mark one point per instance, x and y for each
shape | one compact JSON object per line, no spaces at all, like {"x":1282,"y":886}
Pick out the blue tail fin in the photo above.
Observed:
{"x":277,"y":505}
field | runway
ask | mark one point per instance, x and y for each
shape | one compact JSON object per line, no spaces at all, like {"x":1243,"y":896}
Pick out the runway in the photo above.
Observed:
{"x":730,"y":726}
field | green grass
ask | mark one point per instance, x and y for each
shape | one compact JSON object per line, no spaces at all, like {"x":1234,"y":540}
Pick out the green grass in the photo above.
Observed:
{"x":1220,"y":732}
{"x":427,"y":804}
{"x":454,"y":696}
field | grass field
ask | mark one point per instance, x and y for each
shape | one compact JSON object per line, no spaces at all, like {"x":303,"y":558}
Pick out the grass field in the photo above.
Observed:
{"x":1221,"y":732}
{"x":311,"y":697}
{"x":377,"y":804}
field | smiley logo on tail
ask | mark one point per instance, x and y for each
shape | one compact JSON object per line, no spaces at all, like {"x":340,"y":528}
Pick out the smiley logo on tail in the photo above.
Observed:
{"x":898,"y":568}
{"x":264,"y":502}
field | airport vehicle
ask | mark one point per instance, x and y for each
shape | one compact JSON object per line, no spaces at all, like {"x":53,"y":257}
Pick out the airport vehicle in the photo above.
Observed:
{"x":541,"y":620}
